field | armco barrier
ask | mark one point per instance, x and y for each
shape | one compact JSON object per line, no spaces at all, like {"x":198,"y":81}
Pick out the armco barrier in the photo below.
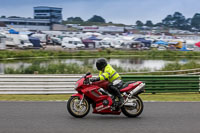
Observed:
{"x":37,"y":84}
{"x":63,"y":84}
{"x":156,"y":84}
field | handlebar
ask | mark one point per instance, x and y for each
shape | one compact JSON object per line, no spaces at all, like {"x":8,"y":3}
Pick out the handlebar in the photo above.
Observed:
{"x":87,"y":78}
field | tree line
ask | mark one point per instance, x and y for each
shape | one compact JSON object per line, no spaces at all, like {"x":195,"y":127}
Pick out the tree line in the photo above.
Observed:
{"x":95,"y":18}
{"x":177,"y":21}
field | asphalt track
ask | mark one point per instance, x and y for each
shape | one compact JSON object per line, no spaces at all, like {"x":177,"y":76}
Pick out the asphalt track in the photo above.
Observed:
{"x":52,"y":117}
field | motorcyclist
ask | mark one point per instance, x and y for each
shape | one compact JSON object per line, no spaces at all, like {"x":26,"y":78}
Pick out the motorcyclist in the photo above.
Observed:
{"x":106,"y":72}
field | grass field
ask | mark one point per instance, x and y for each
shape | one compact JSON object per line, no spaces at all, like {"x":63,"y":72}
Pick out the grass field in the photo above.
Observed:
{"x":30,"y":54}
{"x":145,"y":97}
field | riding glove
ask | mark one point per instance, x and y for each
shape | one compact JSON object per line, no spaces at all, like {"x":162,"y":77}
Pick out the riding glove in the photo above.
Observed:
{"x":94,"y":79}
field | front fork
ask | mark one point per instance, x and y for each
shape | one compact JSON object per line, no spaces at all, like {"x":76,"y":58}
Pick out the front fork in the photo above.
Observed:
{"x":81,"y":96}
{"x":81,"y":100}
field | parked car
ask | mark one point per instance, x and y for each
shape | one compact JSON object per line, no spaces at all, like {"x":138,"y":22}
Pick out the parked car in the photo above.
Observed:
{"x":102,"y":44}
{"x":147,"y":43}
{"x":72,"y":43}
{"x":56,"y":41}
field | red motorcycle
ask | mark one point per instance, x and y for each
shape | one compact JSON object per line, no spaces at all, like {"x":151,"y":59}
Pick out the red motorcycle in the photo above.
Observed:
{"x":102,"y":102}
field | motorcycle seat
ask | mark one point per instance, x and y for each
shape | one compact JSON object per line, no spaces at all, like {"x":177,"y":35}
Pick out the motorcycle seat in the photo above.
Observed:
{"x":127,"y":87}
{"x":126,"y":84}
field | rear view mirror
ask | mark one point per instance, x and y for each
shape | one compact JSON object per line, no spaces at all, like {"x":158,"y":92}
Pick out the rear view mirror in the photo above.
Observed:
{"x":88,"y":73}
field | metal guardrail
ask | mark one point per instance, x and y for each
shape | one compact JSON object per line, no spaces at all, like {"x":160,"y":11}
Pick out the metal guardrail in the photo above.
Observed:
{"x":63,"y":84}
{"x":167,"y":83}
{"x":175,"y":72}
{"x":37,"y":84}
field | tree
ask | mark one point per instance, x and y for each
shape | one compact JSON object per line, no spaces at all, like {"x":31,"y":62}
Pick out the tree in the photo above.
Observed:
{"x":14,"y":17}
{"x":149,"y":23}
{"x":96,"y":18}
{"x":195,"y":21}
{"x":78,"y":19}
{"x":139,"y":23}
{"x":177,"y":20}
{"x":3,"y":16}
{"x":70,"y":19}
{"x":75,"y":19}
{"x":187,"y":25}
{"x":168,"y":21}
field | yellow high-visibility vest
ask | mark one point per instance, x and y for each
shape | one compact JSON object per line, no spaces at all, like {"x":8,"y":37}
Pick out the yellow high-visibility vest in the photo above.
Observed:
{"x":109,"y":74}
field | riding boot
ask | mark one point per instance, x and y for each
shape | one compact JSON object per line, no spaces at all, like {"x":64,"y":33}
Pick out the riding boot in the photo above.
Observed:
{"x":117,"y":93}
{"x":121,"y":100}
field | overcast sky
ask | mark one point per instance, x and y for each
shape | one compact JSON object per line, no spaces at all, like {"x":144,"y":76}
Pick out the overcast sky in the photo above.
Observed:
{"x":118,"y":11}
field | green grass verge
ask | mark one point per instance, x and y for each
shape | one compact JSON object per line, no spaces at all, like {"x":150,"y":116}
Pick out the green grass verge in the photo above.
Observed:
{"x":145,"y":97}
{"x":27,"y":54}
{"x":33,"y":97}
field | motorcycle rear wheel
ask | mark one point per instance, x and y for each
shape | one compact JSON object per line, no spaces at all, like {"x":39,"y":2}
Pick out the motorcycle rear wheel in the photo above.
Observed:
{"x":77,"y":110}
{"x":133,"y":111}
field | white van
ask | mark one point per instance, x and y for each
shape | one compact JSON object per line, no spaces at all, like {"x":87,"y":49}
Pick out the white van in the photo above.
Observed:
{"x":19,"y":41}
{"x":73,"y":43}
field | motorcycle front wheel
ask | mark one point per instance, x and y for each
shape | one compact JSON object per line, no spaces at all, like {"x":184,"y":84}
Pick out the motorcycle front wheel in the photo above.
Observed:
{"x":76,"y":109}
{"x":134,"y":108}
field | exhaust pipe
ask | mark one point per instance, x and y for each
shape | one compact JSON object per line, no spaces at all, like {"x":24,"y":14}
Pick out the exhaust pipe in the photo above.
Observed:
{"x":137,"y":89}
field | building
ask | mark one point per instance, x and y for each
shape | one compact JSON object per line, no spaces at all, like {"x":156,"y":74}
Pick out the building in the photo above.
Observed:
{"x":44,"y":18}
{"x":90,"y":28}
{"x":59,"y":27}
{"x":103,"y":29}
{"x":111,"y":29}
{"x":51,"y":13}
{"x":27,"y":23}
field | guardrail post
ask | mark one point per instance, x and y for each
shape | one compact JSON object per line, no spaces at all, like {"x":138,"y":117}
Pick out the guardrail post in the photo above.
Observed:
{"x":199,"y":83}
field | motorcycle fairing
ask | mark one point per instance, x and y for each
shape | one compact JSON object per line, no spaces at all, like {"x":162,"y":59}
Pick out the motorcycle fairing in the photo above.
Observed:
{"x":100,"y":108}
